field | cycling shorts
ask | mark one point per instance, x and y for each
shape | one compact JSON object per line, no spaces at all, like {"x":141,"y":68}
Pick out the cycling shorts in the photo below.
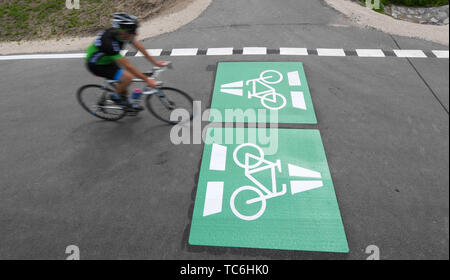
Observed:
{"x":108,"y":71}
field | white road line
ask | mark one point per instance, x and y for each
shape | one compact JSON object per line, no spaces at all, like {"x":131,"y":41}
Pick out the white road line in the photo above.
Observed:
{"x":370,"y":53}
{"x":293,"y":51}
{"x":330,"y":52}
{"x":254,"y":51}
{"x":410,"y":53}
{"x":218,"y":157}
{"x":152,"y":52}
{"x":213,"y":198}
{"x":184,"y":52}
{"x":219,"y":51}
{"x":246,"y":51}
{"x":43,"y":56}
{"x":441,"y":54}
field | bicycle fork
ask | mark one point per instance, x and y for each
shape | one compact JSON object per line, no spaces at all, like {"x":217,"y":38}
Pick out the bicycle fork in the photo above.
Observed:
{"x":164,"y":100}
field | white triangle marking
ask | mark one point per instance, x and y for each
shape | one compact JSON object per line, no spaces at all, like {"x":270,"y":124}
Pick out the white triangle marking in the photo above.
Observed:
{"x":303,"y":186}
{"x":298,"y":100}
{"x":213,"y":198}
{"x":298,"y":171}
{"x":233,"y":85}
{"x":218,"y":158}
{"x":294,"y":78}
{"x":232,"y":91}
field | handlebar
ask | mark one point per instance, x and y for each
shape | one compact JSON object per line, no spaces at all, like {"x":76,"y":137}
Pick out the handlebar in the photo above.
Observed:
{"x":157,"y":70}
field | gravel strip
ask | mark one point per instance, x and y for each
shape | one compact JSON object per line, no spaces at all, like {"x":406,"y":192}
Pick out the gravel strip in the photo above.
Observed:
{"x":366,"y":17}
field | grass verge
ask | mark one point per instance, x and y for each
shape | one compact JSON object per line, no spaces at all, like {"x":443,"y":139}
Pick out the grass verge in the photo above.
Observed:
{"x":45,"y":19}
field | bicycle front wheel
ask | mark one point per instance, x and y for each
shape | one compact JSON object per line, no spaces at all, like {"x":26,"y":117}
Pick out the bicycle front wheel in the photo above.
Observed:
{"x":271,"y":77}
{"x":96,"y":100}
{"x":248,"y":156}
{"x":251,"y":202}
{"x":168,"y":100}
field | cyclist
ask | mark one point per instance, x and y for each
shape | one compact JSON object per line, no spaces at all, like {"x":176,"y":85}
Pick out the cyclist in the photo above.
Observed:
{"x":103,"y":57}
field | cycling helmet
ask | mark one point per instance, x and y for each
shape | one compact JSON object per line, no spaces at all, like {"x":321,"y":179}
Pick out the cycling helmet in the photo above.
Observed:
{"x":126,"y":22}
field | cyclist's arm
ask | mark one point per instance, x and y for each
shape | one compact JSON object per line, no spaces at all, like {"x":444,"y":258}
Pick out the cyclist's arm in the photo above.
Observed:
{"x":140,"y":47}
{"x":133,"y":70}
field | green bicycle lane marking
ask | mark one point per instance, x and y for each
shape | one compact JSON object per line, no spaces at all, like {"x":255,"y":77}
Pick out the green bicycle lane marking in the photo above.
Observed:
{"x":274,"y":86}
{"x":267,"y":194}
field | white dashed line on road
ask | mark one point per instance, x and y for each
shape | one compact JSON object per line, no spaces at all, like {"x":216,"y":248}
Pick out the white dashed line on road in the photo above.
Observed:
{"x":410,"y":53}
{"x":370,"y":53}
{"x":219,"y":51}
{"x":293,"y":51}
{"x":254,"y":51}
{"x":322,"y":52}
{"x":441,"y":54}
{"x":330,"y":52}
{"x":184,"y":52}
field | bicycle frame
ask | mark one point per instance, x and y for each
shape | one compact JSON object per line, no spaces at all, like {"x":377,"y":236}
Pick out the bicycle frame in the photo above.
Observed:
{"x":258,"y":94}
{"x":263,"y":95}
{"x":147,"y":90}
{"x":266,"y":165}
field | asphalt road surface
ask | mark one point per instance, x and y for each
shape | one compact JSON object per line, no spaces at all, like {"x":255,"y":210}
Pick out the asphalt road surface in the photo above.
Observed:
{"x":122,"y":190}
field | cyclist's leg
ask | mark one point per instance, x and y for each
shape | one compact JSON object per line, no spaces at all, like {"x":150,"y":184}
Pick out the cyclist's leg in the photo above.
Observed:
{"x":107,"y":71}
{"x":114,"y":72}
{"x":125,"y":78}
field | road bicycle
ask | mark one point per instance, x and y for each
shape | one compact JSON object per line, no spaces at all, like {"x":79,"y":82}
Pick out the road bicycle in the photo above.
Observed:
{"x":160,"y":101}
{"x":250,"y":157}
{"x":270,"y":99}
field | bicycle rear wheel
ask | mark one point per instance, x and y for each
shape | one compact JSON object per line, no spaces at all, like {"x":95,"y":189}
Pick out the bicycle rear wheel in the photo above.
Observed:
{"x":166,"y":101}
{"x":276,"y":102}
{"x":95,"y":99}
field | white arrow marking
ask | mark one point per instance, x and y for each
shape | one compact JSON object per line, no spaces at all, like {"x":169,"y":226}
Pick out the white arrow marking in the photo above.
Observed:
{"x":294,"y":79}
{"x":298,"y":100}
{"x":213,"y":198}
{"x":218,"y":157}
{"x":232,"y":91}
{"x":303,"y":186}
{"x":298,"y":171}
{"x":233,"y":85}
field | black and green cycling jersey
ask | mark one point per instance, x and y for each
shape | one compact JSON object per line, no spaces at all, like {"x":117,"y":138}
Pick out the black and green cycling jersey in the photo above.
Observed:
{"x":106,"y":48}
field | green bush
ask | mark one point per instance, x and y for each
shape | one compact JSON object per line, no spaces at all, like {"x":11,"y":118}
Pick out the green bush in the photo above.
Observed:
{"x":420,"y":3}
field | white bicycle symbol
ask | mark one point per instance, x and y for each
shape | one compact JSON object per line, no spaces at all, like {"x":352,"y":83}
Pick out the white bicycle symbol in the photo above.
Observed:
{"x":269,"y":98}
{"x":262,"y":193}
